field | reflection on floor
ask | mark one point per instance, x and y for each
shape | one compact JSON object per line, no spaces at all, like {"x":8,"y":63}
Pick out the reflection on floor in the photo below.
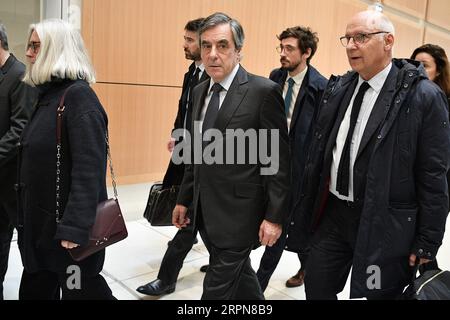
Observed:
{"x":135,"y":261}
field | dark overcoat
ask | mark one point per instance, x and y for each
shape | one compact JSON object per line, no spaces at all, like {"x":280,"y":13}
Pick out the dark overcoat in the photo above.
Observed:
{"x":399,"y":174}
{"x":83,"y":174}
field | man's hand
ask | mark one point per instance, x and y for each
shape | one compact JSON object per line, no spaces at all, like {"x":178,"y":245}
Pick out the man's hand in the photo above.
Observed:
{"x":68,"y":245}
{"x":412,"y":260}
{"x":171,"y":144}
{"x":179,"y":218}
{"x":269,"y":233}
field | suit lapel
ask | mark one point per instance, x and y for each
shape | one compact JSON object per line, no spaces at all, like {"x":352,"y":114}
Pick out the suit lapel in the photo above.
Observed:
{"x":185,"y":90}
{"x":204,"y":76}
{"x":379,"y":110}
{"x":201,"y":90}
{"x":282,"y":80}
{"x":233,"y":99}
{"x":298,"y":103}
{"x":187,"y":77}
{"x":343,"y":105}
{"x":1,"y":76}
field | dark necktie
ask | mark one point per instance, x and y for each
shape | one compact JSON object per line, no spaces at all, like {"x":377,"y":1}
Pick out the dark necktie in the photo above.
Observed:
{"x":192,"y":83}
{"x":213,"y":108}
{"x":343,"y":174}
{"x":288,"y":97}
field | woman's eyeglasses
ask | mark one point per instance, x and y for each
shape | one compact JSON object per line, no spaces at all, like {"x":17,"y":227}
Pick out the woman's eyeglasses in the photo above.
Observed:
{"x":34,"y":46}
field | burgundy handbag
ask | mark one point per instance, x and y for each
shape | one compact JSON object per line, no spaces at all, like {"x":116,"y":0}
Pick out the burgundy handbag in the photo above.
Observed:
{"x":109,"y":226}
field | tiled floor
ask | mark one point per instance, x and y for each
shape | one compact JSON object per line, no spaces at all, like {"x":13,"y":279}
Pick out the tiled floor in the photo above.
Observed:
{"x":135,"y":261}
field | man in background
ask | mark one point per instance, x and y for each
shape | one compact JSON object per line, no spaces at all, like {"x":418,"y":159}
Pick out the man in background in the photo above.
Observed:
{"x":16,"y":103}
{"x":185,"y":238}
{"x":303,"y":87}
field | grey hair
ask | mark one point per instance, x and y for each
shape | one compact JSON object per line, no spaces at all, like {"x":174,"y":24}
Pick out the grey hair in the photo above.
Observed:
{"x":3,"y":37}
{"x":62,"y":54}
{"x":220,"y":18}
{"x":379,"y":21}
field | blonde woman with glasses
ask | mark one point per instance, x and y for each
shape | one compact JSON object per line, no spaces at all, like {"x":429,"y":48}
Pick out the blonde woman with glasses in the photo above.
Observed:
{"x":59,"y":65}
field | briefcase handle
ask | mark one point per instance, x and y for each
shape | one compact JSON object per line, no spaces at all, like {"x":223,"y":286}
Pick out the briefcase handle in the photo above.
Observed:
{"x":59,"y":115}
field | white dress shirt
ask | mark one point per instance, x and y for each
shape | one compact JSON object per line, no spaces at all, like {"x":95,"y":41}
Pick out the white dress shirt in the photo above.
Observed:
{"x":226,"y":84}
{"x":370,"y":97}
{"x":298,"y":80}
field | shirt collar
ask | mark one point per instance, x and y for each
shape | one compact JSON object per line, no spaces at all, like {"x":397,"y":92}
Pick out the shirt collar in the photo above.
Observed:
{"x":299,"y":77}
{"x":377,"y":82}
{"x":226,"y":83}
{"x":201,"y":66}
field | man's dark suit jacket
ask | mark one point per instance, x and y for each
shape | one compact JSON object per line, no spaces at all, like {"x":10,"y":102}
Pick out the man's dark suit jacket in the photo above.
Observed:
{"x":236,"y":198}
{"x":306,"y":104}
{"x":16,"y":104}
{"x":305,"y":111}
{"x":174,"y":173}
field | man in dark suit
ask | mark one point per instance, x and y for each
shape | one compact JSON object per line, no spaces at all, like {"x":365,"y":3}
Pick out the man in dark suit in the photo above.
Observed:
{"x":16,"y":99}
{"x":376,"y":188}
{"x":235,"y":205}
{"x":184,"y":239}
{"x":303,"y":87}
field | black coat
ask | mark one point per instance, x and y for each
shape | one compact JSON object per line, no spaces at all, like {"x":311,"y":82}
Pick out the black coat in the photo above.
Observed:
{"x":174,"y":172}
{"x":16,"y":104}
{"x":235,"y":198}
{"x":305,"y":111}
{"x":399,"y":173}
{"x":83,"y":177}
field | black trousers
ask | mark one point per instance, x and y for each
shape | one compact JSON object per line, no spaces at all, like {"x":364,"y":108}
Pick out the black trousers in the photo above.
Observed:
{"x":46,"y":285}
{"x":7,"y":211}
{"x":176,"y":253}
{"x":230,"y":275}
{"x":272,"y":256}
{"x":331,"y":255}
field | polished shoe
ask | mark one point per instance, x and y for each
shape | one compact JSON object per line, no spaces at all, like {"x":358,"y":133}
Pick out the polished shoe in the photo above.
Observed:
{"x":204,"y":268}
{"x":156,"y":288}
{"x":195,"y":241}
{"x":297,"y":280}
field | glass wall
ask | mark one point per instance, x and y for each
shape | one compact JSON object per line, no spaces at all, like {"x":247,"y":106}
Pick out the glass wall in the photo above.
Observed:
{"x":17,"y":15}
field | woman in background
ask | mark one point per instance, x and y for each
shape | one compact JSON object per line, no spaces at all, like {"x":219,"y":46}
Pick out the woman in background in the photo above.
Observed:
{"x":57,"y":60}
{"x":436,"y":64}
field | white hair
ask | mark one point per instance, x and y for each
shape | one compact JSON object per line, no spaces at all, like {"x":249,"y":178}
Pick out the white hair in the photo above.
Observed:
{"x":378,"y":21}
{"x":62,"y":54}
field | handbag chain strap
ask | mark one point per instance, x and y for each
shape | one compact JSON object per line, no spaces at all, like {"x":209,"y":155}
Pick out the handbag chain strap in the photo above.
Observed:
{"x":59,"y":115}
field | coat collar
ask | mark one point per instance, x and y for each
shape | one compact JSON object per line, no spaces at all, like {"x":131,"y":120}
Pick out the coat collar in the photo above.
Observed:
{"x":48,"y":90}
{"x":311,"y":78}
{"x":310,"y":86}
{"x":8,"y":64}
{"x":380,"y":109}
{"x":401,"y":77}
{"x":233,"y":99}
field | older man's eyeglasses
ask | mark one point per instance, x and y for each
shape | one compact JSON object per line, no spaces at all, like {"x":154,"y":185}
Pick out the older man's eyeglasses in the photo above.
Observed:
{"x":34,"y":46}
{"x":358,"y":38}
{"x":287,"y":49}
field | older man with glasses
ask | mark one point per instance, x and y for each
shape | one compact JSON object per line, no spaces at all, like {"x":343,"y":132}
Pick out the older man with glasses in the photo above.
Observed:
{"x":376,"y":197}
{"x":15,"y":108}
